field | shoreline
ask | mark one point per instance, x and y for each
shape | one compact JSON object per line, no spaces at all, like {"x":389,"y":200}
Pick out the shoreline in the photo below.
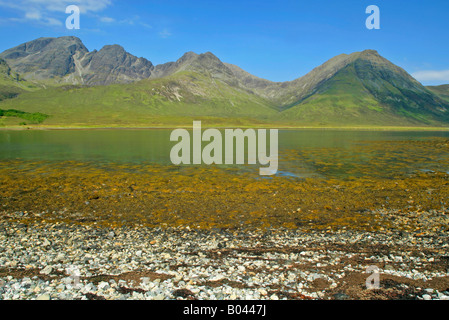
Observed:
{"x":349,"y":128}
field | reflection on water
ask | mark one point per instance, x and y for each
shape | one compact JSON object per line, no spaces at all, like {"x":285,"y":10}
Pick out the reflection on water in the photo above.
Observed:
{"x":303,"y":153}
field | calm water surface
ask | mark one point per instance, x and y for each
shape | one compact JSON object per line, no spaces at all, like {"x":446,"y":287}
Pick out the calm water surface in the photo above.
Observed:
{"x":153,"y":146}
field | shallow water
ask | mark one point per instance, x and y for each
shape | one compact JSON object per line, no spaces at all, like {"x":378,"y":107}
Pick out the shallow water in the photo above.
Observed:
{"x":303,"y":153}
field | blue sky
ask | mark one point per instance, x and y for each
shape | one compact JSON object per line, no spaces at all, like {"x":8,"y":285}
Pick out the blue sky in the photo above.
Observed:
{"x":277,"y":40}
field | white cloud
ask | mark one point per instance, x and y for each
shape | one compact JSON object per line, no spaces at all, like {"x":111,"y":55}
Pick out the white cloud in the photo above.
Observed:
{"x":146,"y":25}
{"x":135,"y":21}
{"x":165,"y":33}
{"x":52,"y":12}
{"x":34,"y":15}
{"x":52,"y":22}
{"x":107,"y":19}
{"x":44,"y":11}
{"x":432,"y":75}
{"x":57,"y":5}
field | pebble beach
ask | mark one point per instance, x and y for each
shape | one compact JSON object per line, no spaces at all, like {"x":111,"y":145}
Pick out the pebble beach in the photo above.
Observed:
{"x":58,"y":261}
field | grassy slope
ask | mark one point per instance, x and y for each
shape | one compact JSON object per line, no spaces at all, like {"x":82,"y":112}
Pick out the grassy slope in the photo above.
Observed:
{"x":11,"y":86}
{"x":174,"y":100}
{"x":345,"y":100}
{"x":177,"y":100}
{"x":442,"y":91}
{"x":11,"y":83}
{"x":340,"y":98}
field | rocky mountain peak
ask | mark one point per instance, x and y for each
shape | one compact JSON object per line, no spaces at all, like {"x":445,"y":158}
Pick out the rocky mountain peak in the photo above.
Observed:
{"x":113,"y":49}
{"x":66,"y":59}
{"x":188,"y":56}
{"x":205,"y":63}
{"x":369,"y":52}
{"x":45,"y":58}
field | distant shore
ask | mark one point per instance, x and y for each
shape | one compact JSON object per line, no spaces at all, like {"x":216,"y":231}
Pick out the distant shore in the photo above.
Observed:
{"x":280,"y":127}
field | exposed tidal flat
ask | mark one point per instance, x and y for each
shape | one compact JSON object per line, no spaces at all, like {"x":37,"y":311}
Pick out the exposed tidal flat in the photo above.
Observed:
{"x":136,"y":230}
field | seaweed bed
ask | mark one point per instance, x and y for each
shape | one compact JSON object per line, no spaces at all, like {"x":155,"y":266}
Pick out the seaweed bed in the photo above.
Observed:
{"x":400,"y":185}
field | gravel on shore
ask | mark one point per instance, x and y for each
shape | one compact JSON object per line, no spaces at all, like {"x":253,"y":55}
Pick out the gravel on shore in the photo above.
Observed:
{"x":61,"y":261}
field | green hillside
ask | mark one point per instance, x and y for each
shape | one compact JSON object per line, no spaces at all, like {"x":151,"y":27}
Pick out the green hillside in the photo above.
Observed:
{"x":11,"y":86}
{"x":442,"y":91}
{"x":370,"y":91}
{"x":105,"y":89}
{"x":344,"y":100}
{"x":176,"y":99}
{"x":341,"y":100}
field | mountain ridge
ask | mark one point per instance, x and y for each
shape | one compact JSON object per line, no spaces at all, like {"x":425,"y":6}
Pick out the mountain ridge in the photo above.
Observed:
{"x":357,"y":88}
{"x":365,"y":82}
{"x":67,"y":60}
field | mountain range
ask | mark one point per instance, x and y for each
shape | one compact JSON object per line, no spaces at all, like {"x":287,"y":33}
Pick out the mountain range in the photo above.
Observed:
{"x":60,"y":78}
